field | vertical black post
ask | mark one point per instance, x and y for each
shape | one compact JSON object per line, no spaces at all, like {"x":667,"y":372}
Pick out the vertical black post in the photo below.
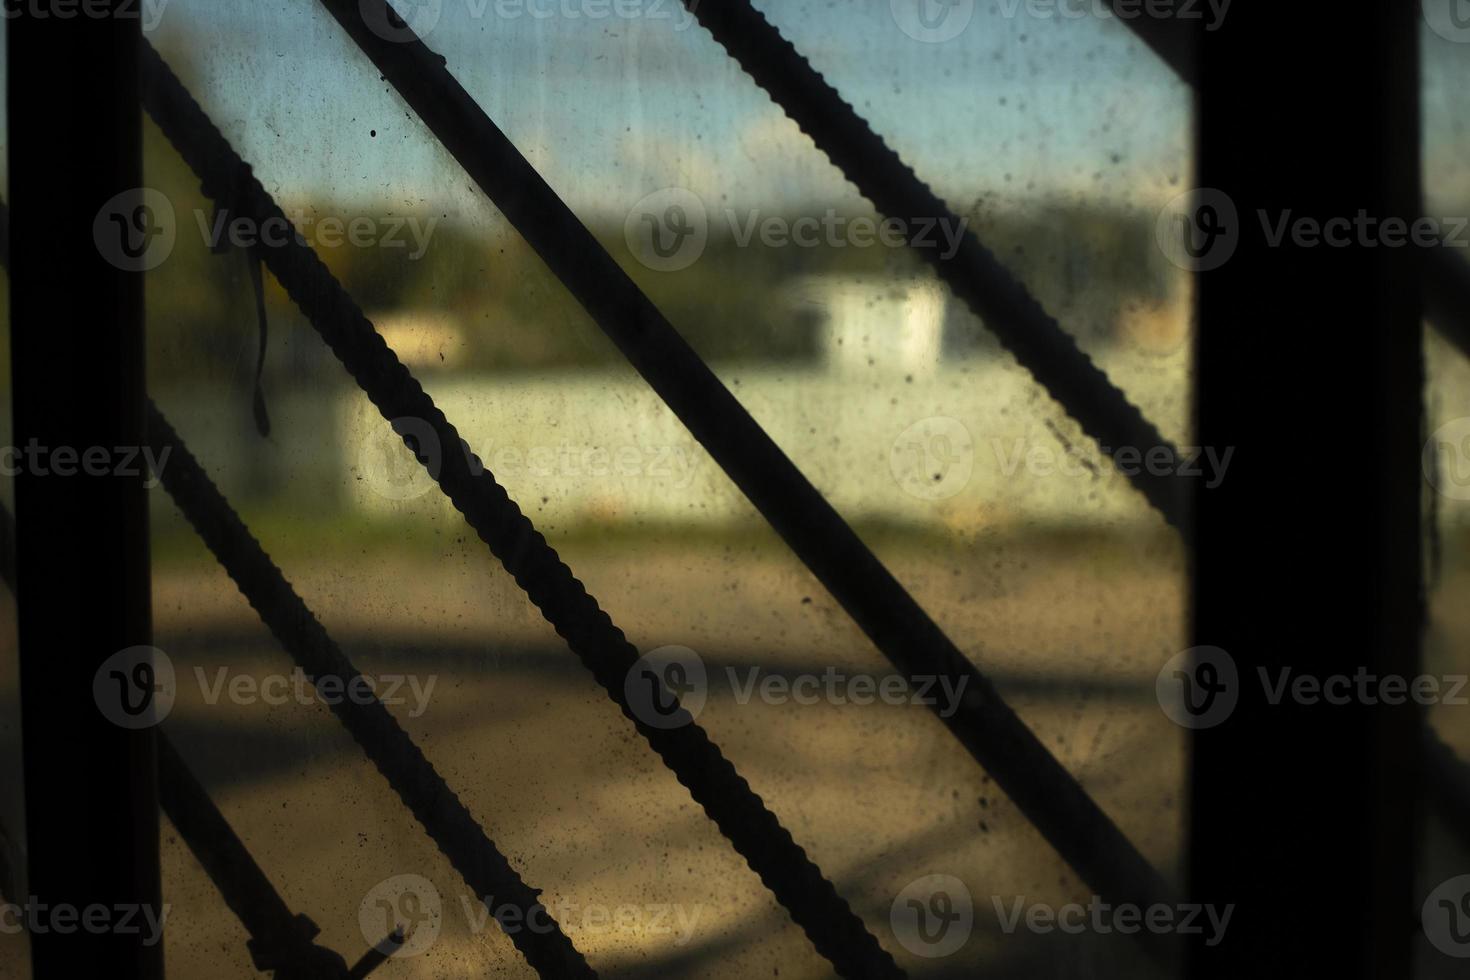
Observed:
{"x":82,"y":538}
{"x":1309,"y":366}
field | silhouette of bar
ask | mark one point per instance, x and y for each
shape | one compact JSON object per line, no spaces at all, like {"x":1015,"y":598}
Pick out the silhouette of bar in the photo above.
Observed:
{"x":77,"y":354}
{"x":280,"y":941}
{"x":1302,"y":811}
{"x":446,"y":820}
{"x":1446,"y":274}
{"x":411,"y":775}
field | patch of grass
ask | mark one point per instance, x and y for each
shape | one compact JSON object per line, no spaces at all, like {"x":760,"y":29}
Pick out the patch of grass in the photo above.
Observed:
{"x":346,"y":536}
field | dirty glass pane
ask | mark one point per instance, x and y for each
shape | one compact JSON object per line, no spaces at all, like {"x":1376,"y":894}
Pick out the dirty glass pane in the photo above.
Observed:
{"x":1054,"y":135}
{"x":1058,"y":139}
{"x":1446,"y":73}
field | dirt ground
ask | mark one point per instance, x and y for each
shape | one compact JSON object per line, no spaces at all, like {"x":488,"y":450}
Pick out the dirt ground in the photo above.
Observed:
{"x":1072,"y":630}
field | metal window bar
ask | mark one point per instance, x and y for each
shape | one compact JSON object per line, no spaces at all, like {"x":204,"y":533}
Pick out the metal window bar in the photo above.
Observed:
{"x":418,"y":784}
{"x":741,"y":816}
{"x":74,"y":140}
{"x":402,"y":763}
{"x":280,"y":941}
{"x":1041,"y":787}
{"x":1446,"y":276}
{"x":973,"y":273}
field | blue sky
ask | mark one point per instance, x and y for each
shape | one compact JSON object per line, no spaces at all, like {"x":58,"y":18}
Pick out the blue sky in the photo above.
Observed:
{"x":611,"y":108}
{"x":616,"y":107}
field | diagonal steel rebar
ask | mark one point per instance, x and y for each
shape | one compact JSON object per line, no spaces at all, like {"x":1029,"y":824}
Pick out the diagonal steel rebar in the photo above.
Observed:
{"x":971,"y":270}
{"x":1049,"y":796}
{"x":401,"y":762}
{"x":279,"y":939}
{"x":444,"y":818}
{"x":740,"y":814}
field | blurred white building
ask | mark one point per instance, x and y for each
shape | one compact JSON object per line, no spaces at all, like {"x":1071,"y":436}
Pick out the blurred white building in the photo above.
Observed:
{"x":884,"y":424}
